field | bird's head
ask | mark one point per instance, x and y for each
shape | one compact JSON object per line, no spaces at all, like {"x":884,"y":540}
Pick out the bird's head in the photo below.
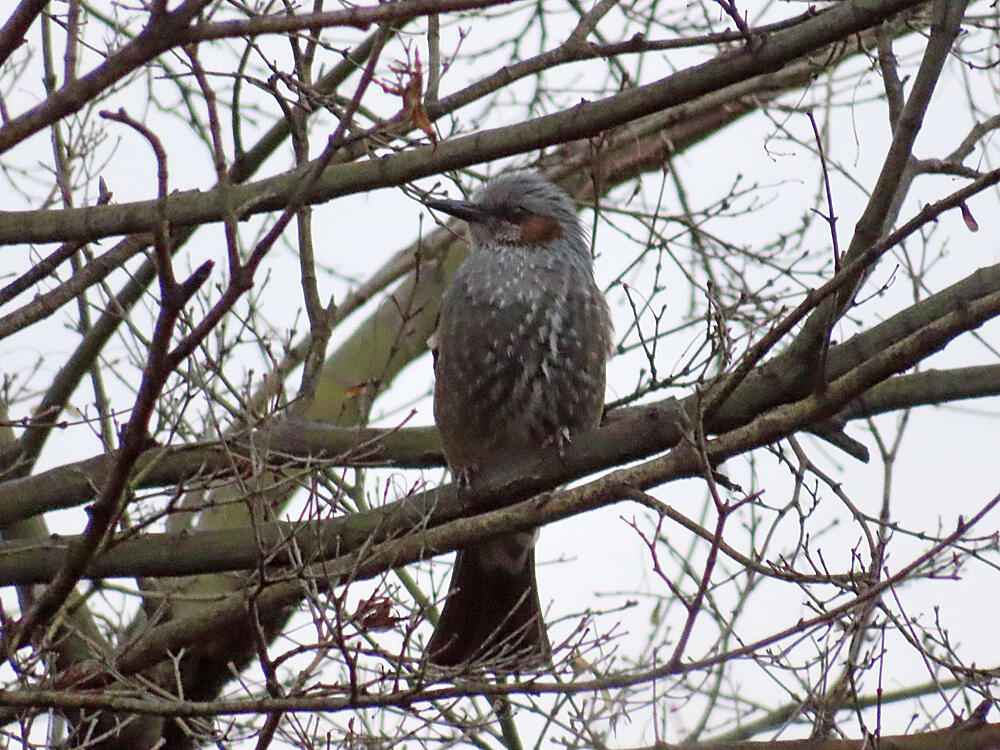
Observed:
{"x":519,"y":209}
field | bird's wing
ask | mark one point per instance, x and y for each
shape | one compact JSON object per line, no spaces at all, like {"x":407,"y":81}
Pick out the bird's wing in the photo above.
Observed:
{"x":432,"y":342}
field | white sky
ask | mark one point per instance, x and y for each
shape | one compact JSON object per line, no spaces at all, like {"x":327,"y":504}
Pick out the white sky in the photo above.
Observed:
{"x":947,"y":463}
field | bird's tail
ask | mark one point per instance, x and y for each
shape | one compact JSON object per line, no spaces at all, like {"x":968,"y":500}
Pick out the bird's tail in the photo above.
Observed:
{"x":493,"y":614}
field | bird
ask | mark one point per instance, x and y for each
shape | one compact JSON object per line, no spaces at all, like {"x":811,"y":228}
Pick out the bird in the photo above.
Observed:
{"x":520,"y":353}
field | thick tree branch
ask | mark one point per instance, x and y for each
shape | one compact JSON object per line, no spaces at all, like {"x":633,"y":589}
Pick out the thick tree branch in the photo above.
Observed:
{"x":584,"y":120}
{"x":167,"y":30}
{"x":12,"y":33}
{"x":632,"y":433}
{"x":437,"y":506}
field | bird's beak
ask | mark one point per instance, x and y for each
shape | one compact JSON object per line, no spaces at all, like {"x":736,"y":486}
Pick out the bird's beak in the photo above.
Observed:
{"x":470,"y":212}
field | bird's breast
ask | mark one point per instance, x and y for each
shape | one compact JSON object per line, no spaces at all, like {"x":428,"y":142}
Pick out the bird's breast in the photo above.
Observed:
{"x":520,"y":361}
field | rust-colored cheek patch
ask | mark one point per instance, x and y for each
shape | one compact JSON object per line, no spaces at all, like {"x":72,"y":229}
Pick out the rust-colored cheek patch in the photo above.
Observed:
{"x":540,"y":230}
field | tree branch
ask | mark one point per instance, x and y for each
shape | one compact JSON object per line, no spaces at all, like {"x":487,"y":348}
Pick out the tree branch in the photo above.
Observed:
{"x":584,"y":120}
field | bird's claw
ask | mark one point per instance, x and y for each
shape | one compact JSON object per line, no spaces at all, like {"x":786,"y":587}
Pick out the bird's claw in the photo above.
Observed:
{"x":463,"y":475}
{"x":559,"y":441}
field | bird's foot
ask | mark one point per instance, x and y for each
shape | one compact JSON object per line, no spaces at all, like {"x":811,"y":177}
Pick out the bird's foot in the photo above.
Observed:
{"x":559,"y":441}
{"x":463,"y":475}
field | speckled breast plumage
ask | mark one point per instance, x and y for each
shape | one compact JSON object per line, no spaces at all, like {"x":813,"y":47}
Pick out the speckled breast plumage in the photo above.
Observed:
{"x":522,"y":341}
